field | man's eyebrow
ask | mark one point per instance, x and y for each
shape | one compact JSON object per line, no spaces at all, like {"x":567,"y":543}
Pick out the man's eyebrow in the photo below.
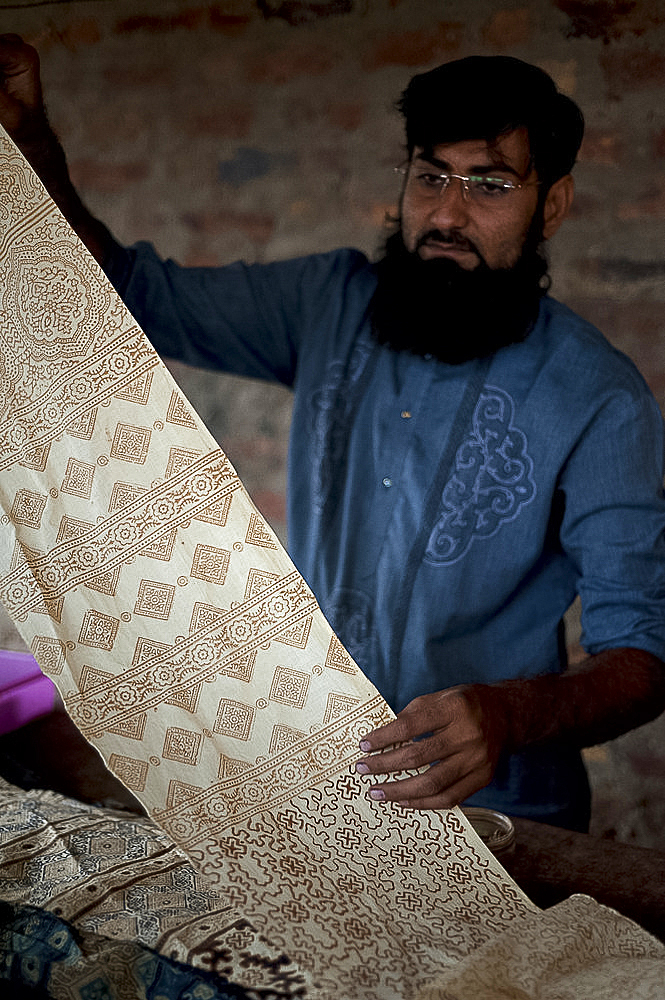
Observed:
{"x":494,"y":167}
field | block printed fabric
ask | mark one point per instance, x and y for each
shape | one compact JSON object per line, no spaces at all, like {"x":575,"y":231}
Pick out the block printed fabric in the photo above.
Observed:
{"x":190,"y":652}
{"x":95,"y":901}
{"x":113,"y":879}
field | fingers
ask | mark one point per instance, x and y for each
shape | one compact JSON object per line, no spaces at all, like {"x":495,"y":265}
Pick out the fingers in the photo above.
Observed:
{"x":408,"y":757}
{"x":441,"y":786}
{"x":20,"y":86}
{"x":457,"y":757}
{"x":422,"y":715}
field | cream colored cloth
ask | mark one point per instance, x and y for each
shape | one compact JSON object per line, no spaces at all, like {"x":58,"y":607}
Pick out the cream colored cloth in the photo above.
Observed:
{"x":191,"y":653}
{"x":577,"y":950}
{"x":188,"y":649}
{"x":117,"y":878}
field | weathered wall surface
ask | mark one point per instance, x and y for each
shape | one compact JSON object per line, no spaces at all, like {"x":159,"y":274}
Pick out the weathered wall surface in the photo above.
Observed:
{"x":264,"y":128}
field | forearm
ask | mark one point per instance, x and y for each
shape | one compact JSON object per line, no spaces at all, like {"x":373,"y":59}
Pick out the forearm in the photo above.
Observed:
{"x":23,"y":115}
{"x":45,"y":155}
{"x":472,"y":726}
{"x":595,"y":701}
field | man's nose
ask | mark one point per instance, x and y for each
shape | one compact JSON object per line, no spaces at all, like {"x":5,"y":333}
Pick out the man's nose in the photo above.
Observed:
{"x":451,"y":209}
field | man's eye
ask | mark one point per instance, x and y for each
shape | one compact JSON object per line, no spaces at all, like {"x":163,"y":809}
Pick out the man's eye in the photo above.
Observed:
{"x":490,"y":186}
{"x":430,"y":180}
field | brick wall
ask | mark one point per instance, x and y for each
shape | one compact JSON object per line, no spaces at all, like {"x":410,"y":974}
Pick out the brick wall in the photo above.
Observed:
{"x":264,"y":128}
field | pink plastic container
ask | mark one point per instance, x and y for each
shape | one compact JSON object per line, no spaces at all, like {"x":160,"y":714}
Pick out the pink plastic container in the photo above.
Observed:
{"x":25,"y":693}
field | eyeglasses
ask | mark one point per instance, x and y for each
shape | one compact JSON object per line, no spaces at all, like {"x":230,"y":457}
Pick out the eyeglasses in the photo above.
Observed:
{"x":477,"y":188}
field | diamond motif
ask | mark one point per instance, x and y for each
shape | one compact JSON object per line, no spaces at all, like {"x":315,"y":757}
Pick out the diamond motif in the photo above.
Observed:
{"x":258,"y":533}
{"x":181,"y":745}
{"x":130,"y":443}
{"x":28,"y":508}
{"x":78,"y":479}
{"x":131,"y":772}
{"x":210,"y":564}
{"x":234,"y":719}
{"x":98,"y":630}
{"x":178,"y":413}
{"x":154,"y":599}
{"x":49,"y":653}
{"x":289,"y":687}
{"x":338,"y":705}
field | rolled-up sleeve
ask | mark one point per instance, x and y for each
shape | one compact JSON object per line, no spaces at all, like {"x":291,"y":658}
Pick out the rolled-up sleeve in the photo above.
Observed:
{"x":614,"y":522}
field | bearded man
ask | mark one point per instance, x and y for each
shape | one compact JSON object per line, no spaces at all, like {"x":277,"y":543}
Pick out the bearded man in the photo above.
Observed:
{"x":467,"y":455}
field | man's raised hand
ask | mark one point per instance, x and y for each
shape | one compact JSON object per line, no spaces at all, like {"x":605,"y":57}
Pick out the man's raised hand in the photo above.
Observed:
{"x":21,"y":106}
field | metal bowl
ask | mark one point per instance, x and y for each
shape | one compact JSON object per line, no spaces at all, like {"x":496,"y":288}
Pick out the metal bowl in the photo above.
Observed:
{"x":494,"y":828}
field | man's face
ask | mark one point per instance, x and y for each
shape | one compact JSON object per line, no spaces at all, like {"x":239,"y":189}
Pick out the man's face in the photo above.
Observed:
{"x":458,"y":226}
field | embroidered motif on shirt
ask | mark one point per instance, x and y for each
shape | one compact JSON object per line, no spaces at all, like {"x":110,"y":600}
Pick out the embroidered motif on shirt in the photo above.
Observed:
{"x":350,"y":614}
{"x":491,"y":482}
{"x":331,"y":407}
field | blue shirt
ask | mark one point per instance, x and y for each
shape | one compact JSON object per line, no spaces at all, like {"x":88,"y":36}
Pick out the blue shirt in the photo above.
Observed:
{"x":444,"y":515}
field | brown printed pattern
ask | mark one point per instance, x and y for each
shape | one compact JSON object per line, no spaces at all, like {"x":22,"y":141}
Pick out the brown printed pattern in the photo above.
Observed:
{"x":114,"y":541}
{"x":117,"y":875}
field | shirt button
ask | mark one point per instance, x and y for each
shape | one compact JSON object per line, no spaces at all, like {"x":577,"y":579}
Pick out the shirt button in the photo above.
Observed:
{"x":387,"y":481}
{"x":405,"y":415}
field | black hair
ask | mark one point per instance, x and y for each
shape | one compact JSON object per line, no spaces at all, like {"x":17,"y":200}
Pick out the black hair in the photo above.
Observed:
{"x":484,"y":97}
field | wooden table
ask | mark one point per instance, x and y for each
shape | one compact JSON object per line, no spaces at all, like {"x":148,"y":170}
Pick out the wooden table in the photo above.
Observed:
{"x":550,"y":864}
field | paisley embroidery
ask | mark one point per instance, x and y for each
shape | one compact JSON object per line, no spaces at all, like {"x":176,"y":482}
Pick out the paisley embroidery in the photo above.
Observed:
{"x":491,"y":483}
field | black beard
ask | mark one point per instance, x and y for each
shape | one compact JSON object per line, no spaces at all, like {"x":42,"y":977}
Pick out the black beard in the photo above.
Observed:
{"x":436,"y":308}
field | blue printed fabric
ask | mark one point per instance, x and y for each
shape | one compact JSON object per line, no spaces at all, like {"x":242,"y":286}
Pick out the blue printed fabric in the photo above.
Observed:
{"x":38,"y":949}
{"x":437,"y":576}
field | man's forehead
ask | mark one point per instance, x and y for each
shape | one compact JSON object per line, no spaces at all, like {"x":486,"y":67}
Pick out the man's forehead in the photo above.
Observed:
{"x":511,"y":149}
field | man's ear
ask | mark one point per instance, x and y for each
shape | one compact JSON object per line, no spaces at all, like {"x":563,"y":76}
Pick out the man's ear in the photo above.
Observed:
{"x":558,"y":200}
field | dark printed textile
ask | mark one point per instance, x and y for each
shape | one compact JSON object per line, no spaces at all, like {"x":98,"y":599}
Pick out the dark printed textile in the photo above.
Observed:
{"x":113,"y":881}
{"x":42,"y":956}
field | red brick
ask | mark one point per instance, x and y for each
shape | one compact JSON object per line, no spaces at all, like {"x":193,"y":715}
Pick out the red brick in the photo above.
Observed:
{"x":257,"y":226}
{"x":296,"y":12}
{"x":232,"y":123}
{"x":416,"y":48}
{"x":585,"y":206}
{"x":576,"y":653}
{"x":269,"y":451}
{"x":657,"y":385}
{"x":228,"y":24}
{"x":288,"y":63}
{"x":272,"y":506}
{"x":187,"y":19}
{"x":647,"y":205}
{"x":507,"y":28}
{"x":632,"y":68}
{"x":114,"y":123}
{"x":200,"y":257}
{"x":107,"y":178}
{"x":347,"y":116}
{"x":610,"y":19}
{"x":601,"y":147}
{"x":658,"y":145}
{"x":131,"y":76}
{"x":71,"y":36}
